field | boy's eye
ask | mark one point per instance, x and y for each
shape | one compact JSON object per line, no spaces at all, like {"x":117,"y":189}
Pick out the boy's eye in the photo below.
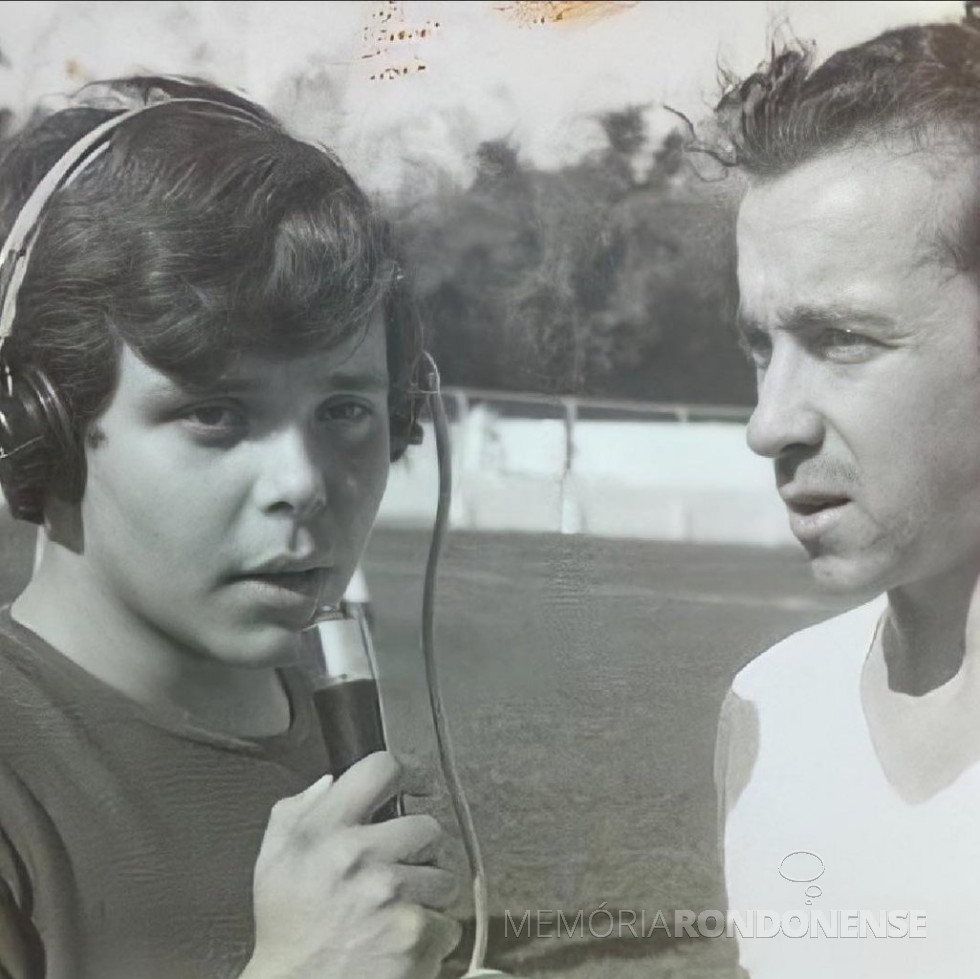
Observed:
{"x":216,"y":417}
{"x":345,"y":411}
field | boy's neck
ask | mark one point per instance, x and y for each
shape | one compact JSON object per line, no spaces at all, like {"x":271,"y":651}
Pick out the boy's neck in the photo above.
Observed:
{"x":75,"y":615}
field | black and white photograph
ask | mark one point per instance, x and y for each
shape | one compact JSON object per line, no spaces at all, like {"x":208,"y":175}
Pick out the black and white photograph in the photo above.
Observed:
{"x":489,"y":489}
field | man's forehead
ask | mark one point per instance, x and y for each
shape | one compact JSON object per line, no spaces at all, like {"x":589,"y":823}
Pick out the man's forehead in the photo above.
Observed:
{"x":912,"y":194}
{"x":854,"y":227}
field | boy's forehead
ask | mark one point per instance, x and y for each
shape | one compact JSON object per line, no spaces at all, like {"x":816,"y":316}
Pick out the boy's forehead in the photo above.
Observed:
{"x":358,"y":361}
{"x":256,"y":372}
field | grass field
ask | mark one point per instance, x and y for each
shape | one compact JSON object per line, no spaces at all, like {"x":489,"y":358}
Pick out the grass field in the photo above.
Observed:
{"x":583,"y":679}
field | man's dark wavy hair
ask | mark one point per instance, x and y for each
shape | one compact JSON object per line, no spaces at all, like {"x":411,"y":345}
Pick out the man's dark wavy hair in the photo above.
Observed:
{"x":913,"y":82}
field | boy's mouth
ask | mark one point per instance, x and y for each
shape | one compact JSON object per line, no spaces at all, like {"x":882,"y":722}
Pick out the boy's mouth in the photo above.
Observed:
{"x":295,"y":580}
{"x":299,"y":585}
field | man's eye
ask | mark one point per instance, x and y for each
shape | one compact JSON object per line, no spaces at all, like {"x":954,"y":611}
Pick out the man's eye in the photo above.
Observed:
{"x":757,"y":346}
{"x":845,"y":345}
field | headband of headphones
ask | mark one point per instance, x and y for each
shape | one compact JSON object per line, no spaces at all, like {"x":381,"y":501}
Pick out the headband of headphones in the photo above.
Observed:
{"x":17,"y":248}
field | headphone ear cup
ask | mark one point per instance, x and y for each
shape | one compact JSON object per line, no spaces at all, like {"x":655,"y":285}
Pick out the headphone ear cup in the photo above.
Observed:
{"x":403,"y":426}
{"x":38,"y":448}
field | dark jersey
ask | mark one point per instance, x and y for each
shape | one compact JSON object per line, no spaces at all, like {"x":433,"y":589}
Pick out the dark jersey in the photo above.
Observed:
{"x":128,"y":836}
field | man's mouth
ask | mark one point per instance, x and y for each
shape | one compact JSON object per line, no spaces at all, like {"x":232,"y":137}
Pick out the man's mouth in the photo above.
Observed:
{"x":806,"y":504}
{"x":812,"y":513}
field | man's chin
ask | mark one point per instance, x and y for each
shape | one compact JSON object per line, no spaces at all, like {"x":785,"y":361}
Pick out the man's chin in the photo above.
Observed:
{"x":848,"y":576}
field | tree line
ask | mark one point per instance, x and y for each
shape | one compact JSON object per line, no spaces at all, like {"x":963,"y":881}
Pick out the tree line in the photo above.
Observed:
{"x":612,"y":276}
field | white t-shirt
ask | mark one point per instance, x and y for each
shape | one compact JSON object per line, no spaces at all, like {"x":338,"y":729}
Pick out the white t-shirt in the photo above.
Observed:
{"x":806,"y":805}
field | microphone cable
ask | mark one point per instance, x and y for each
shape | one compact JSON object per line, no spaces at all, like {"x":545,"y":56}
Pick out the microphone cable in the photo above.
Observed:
{"x":447,"y":760}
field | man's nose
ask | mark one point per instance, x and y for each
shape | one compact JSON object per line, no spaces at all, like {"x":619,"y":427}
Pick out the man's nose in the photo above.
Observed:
{"x":293,"y":474}
{"x":785,"y":415}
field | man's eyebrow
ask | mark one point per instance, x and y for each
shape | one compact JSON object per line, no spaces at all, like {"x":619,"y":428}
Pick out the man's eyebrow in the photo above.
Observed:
{"x":745,"y":325}
{"x":802,"y":318}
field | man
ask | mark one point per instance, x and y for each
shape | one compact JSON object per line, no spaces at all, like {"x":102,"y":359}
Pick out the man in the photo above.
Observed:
{"x":847,"y":754}
{"x":207,"y":370}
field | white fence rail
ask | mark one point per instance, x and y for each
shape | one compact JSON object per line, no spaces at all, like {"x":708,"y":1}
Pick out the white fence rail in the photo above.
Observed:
{"x":609,"y":468}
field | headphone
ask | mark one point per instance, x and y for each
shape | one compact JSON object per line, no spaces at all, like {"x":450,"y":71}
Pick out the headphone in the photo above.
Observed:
{"x":39,"y":444}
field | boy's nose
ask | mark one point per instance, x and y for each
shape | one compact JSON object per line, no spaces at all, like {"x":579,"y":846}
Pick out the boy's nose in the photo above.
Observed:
{"x":293,"y":477}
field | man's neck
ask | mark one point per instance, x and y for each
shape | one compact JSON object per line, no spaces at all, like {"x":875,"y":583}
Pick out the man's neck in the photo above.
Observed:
{"x":920,"y":687}
{"x":923,"y":635}
{"x":76,"y":616}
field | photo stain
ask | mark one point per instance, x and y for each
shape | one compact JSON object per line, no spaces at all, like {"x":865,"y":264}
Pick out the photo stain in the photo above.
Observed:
{"x":535,"y":13}
{"x":390,"y":42}
{"x":75,"y":71}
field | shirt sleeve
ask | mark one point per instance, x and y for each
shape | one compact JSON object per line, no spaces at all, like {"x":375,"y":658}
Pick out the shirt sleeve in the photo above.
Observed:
{"x":736,"y":751}
{"x":21,"y":950}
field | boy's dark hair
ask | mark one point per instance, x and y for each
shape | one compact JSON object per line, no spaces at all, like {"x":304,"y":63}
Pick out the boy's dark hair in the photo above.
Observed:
{"x":204,"y":232}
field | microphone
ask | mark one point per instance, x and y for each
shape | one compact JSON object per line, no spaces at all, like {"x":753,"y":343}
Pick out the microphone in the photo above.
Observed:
{"x":340,"y":661}
{"x":339,"y":656}
{"x":346,"y":688}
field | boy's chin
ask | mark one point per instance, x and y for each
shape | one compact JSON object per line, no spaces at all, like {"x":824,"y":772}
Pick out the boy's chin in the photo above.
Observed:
{"x":262,"y":649}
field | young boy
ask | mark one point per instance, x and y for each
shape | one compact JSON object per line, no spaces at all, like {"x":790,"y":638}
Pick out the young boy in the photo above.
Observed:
{"x":207,"y":370}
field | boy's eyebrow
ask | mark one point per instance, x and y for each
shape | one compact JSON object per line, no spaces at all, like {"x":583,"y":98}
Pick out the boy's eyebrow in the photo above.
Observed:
{"x":366,"y":382}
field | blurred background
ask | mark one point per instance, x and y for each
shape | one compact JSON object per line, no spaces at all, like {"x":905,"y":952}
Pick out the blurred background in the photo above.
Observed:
{"x":617,"y":553}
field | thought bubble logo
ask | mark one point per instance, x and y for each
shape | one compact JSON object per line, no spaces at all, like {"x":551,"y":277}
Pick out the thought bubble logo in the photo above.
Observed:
{"x":803,"y":867}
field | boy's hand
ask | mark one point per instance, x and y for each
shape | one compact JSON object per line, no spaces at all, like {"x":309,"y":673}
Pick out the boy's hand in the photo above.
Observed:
{"x":337,"y":897}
